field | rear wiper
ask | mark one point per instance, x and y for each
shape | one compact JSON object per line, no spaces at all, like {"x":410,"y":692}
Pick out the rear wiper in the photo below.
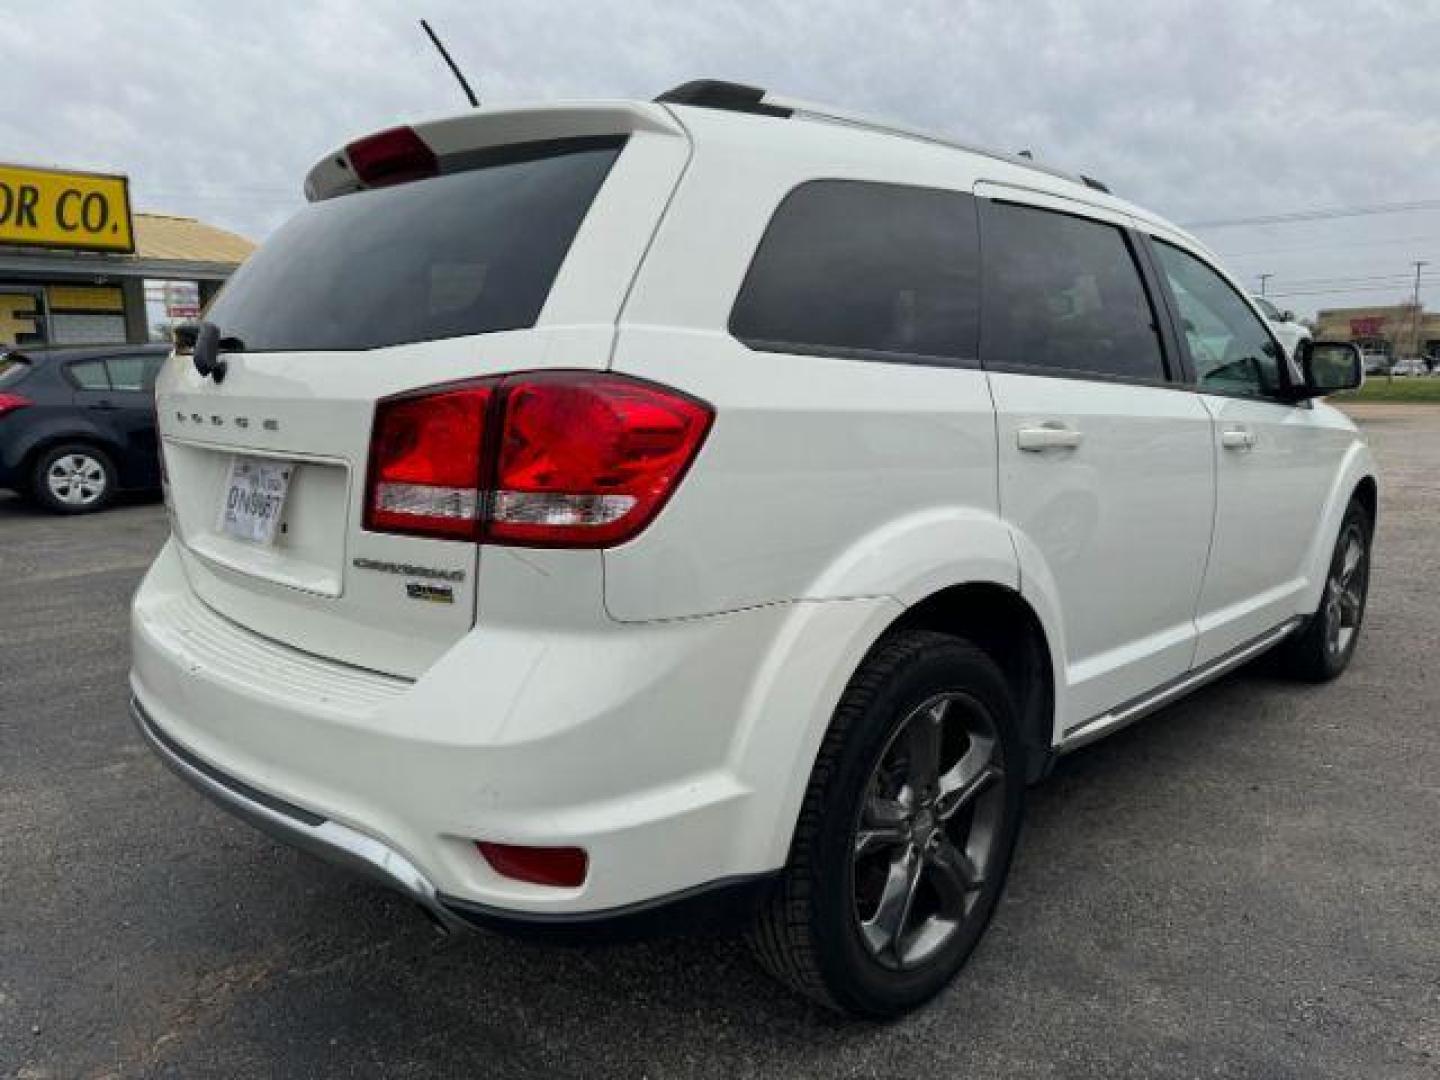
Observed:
{"x":187,"y":333}
{"x":208,"y":344}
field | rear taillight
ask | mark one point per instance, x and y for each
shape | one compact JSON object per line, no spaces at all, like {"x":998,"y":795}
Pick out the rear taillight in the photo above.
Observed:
{"x":389,"y":157}
{"x":425,"y":463}
{"x":11,"y":402}
{"x":551,"y":459}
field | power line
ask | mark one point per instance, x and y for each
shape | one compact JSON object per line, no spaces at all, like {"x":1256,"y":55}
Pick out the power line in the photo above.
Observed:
{"x":1340,"y":290}
{"x":1268,"y":252}
{"x":1317,"y":215}
{"x":1347,"y":279}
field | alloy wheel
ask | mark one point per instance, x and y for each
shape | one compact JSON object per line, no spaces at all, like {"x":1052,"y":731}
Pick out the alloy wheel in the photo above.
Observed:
{"x":927,"y":830}
{"x":1345,"y":593}
{"x":76,"y":479}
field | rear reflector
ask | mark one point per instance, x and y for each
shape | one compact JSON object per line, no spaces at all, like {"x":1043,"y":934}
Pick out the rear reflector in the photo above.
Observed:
{"x":561,"y":867}
{"x":550,"y":459}
{"x":395,"y":156}
{"x":11,"y":402}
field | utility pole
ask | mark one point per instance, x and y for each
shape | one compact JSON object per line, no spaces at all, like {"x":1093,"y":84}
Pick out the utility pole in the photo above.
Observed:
{"x":1419,"y":351}
{"x":1263,"y":279}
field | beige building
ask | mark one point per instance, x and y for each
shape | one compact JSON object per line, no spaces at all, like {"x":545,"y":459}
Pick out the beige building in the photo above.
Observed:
{"x":1389,"y":330}
{"x":75,"y":260}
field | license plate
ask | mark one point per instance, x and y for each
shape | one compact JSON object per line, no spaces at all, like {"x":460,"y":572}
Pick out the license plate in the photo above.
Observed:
{"x":254,"y":499}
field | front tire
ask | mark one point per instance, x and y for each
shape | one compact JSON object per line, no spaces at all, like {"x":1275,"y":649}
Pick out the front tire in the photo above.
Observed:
{"x":906,"y":832}
{"x":74,"y":478}
{"x":1322,"y":648}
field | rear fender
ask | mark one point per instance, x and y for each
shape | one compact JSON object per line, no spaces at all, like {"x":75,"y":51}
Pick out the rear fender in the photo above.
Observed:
{"x":822,"y":643}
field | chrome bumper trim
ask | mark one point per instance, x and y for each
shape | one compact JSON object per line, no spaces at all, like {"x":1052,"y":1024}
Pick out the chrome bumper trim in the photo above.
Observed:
{"x":295,"y":826}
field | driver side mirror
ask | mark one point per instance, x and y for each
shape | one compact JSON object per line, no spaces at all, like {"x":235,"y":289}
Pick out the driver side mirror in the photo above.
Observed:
{"x":1329,"y":367}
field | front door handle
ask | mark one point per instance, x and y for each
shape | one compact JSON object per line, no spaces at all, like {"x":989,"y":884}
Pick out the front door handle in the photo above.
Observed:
{"x":104,"y":405}
{"x":1237,"y":438}
{"x":1050,"y":436}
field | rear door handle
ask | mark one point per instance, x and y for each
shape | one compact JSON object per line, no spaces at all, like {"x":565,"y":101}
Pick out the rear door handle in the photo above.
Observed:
{"x":1237,"y":438}
{"x":1050,"y":436}
{"x":104,"y":405}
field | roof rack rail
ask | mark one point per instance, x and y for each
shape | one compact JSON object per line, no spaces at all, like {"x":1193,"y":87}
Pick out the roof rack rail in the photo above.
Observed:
{"x":738,"y":97}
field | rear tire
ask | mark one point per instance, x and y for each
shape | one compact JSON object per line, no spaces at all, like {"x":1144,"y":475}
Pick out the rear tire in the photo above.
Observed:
{"x":906,"y":832}
{"x":73,"y":478}
{"x":1321,"y":649}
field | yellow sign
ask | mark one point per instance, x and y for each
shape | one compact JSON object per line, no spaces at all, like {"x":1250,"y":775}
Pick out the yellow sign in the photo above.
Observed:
{"x":48,"y":208}
{"x":85,"y":298}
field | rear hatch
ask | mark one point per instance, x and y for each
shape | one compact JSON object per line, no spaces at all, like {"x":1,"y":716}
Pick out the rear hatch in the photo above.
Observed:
{"x":509,"y":250}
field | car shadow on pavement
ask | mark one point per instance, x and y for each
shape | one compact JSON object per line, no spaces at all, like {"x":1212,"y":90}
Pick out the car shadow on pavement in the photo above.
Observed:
{"x":365,"y":967}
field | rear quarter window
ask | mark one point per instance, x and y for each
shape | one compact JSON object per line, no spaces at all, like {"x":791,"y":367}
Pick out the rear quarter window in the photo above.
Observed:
{"x":463,"y":253}
{"x":88,"y":374}
{"x":866,"y":270}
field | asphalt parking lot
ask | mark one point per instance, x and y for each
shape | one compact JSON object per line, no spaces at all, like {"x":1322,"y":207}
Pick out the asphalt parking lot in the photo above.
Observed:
{"x":1246,"y":885}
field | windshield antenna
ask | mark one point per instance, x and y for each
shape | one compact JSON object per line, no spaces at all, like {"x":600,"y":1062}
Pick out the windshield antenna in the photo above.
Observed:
{"x":453,"y":66}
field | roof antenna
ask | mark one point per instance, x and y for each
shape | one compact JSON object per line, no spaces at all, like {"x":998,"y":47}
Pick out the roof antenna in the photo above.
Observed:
{"x":453,"y":67}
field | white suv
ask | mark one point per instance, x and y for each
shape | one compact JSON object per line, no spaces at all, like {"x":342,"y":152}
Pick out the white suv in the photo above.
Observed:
{"x":1286,"y":327}
{"x":595,"y":517}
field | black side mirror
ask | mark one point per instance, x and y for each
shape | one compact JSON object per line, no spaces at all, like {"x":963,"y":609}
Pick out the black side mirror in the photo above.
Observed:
{"x":1329,"y":367}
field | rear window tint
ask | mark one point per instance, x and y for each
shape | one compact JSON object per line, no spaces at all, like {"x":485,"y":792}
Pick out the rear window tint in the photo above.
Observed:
{"x":1064,"y":294}
{"x":877,"y":271}
{"x":128,"y":372}
{"x":465,"y":253}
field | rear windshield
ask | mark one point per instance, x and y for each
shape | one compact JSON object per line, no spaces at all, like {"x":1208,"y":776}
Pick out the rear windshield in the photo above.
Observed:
{"x":464,"y":253}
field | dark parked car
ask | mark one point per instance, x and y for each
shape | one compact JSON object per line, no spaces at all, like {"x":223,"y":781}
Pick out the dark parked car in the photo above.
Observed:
{"x":78,"y":424}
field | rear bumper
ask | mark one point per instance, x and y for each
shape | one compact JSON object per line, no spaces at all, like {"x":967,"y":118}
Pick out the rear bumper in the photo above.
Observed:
{"x":715,"y":905}
{"x":293,"y":824}
{"x":641,"y":744}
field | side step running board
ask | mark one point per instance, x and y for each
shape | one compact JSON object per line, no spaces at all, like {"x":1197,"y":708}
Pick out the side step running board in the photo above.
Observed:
{"x":1087,"y":731}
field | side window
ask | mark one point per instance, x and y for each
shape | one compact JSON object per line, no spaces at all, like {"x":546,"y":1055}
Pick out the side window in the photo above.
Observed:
{"x":878,"y":271}
{"x":1232,"y":351}
{"x":89,"y":375}
{"x":129,"y":372}
{"x":1064,"y":294}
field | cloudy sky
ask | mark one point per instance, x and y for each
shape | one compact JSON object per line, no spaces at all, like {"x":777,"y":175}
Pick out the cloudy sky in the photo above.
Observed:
{"x":1205,"y":110}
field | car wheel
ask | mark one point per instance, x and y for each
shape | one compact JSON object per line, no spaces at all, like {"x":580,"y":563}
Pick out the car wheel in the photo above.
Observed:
{"x":905,"y":834}
{"x":75,"y":478}
{"x":1321,"y":649}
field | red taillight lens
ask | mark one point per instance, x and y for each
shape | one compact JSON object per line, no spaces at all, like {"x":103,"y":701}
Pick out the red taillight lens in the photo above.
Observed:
{"x":11,"y":402}
{"x":588,"y":460}
{"x":425,"y":463}
{"x":575,"y":459}
{"x":556,"y":866}
{"x":395,"y":156}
